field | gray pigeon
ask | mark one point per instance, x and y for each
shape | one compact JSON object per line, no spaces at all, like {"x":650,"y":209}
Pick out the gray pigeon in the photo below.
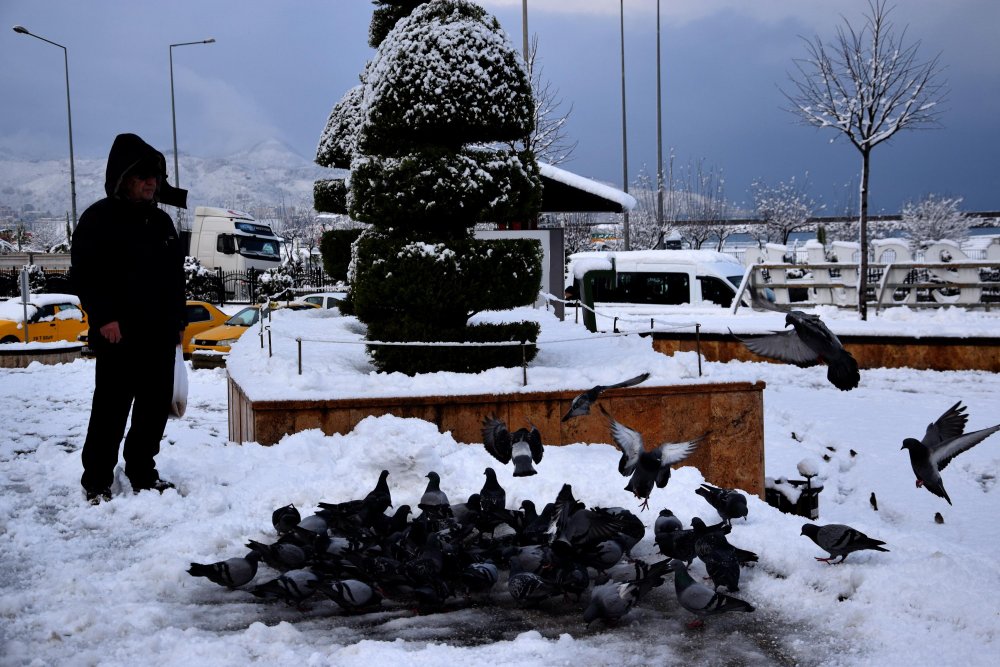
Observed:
{"x":808,"y":343}
{"x":351,"y":595}
{"x":492,"y":497}
{"x":729,"y":503}
{"x":646,"y":468}
{"x":527,"y":588}
{"x":666,"y":522}
{"x":523,"y":446}
{"x":284,"y":519}
{"x":294,"y":587}
{"x":701,"y":600}
{"x":581,"y":404}
{"x":839,"y":540}
{"x":433,"y":499}
{"x":944,"y":440}
{"x":612,"y":600}
{"x":232,"y":572}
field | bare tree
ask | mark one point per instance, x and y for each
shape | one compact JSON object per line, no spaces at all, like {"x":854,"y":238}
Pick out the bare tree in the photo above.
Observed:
{"x":935,"y":218}
{"x":549,"y":140}
{"x":783,"y":207}
{"x":868,"y":85}
{"x":702,"y":207}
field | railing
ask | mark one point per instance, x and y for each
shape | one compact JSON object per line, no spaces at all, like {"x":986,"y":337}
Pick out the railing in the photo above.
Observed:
{"x":965,"y":283}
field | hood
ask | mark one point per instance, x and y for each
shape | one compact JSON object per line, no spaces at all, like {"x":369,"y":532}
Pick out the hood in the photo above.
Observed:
{"x":128,"y":152}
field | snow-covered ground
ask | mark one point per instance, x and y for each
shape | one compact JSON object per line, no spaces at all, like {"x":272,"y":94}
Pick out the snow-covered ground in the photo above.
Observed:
{"x":107,"y":585}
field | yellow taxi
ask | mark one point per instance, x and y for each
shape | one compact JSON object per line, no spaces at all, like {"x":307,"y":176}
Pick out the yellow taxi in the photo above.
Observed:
{"x":210,"y":348}
{"x":201,"y":316}
{"x":51,"y":318}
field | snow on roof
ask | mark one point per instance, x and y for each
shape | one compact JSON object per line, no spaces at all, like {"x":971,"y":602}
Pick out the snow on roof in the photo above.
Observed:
{"x":13,"y":309}
{"x":624,"y":199}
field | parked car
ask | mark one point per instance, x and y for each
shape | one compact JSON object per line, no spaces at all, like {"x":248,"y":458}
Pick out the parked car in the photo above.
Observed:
{"x":210,"y":348}
{"x":201,"y":315}
{"x":51,"y":318}
{"x":323,"y":299}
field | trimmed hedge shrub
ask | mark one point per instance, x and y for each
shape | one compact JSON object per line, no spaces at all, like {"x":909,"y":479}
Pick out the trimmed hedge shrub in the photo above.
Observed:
{"x":330,"y":196}
{"x":335,"y":249}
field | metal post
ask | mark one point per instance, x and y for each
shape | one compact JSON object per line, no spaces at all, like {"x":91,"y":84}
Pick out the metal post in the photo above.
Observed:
{"x":659,"y":130}
{"x":298,"y":341}
{"x":697,"y":345}
{"x":524,"y":29}
{"x":625,"y":224}
{"x":69,"y":115}
{"x":173,"y":114}
{"x":524,"y":364}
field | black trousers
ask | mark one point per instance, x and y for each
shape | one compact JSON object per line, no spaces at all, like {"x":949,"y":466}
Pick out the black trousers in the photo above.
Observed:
{"x":136,"y":377}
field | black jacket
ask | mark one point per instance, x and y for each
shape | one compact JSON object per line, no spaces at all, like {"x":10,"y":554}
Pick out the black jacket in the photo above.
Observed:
{"x":127,"y":260}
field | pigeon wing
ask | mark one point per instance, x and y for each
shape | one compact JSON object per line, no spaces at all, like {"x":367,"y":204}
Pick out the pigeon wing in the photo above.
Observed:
{"x":535,"y":444}
{"x":943,"y":453}
{"x":496,"y":439}
{"x":628,"y":441}
{"x":781,"y":345}
{"x":947,"y":427}
{"x":675,"y":452}
{"x":696,"y":597}
{"x":631,"y":382}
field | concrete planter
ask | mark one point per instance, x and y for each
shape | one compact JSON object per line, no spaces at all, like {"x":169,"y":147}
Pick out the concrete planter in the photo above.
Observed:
{"x":19,"y":355}
{"x":732,"y":413}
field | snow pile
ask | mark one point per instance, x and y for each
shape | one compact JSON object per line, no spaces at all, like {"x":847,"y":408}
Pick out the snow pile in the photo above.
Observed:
{"x":108,"y":585}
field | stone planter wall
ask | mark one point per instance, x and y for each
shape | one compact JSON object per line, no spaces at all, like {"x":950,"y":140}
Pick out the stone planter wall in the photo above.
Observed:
{"x":16,"y":355}
{"x":731,"y":413}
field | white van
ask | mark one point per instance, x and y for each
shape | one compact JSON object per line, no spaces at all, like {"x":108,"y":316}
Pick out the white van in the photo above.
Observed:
{"x":232,"y":241}
{"x":661,"y":277}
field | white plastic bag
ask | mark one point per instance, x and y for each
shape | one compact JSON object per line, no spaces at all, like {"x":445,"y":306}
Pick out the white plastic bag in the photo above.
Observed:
{"x":178,"y":404}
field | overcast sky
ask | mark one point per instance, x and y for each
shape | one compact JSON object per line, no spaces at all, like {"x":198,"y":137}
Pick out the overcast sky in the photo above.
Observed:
{"x":277,"y":68}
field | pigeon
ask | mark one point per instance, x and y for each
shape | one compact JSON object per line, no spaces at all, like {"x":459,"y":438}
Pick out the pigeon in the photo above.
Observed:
{"x":492,"y":497}
{"x":294,"y":587}
{"x":351,"y":595}
{"x":479,"y":577}
{"x":839,"y":540}
{"x":433,"y":499}
{"x":612,"y":600}
{"x":722,"y":560}
{"x":581,"y":404}
{"x":528,"y":588}
{"x":729,"y":503}
{"x":232,"y":572}
{"x":284,"y":519}
{"x":281,"y":556}
{"x":646,"y":468}
{"x":808,"y":343}
{"x":944,"y":440}
{"x":379,"y":499}
{"x":701,"y":600}
{"x":666,"y":522}
{"x":524,"y":446}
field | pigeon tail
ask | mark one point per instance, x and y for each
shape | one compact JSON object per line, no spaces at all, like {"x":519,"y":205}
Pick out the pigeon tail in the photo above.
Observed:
{"x":843,"y":372}
{"x":523,"y":467}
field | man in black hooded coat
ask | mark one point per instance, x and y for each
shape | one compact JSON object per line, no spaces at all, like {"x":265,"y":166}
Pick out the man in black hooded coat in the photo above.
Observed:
{"x":128,"y":270}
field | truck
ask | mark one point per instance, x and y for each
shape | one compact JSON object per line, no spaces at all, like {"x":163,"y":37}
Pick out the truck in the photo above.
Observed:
{"x":230,"y":240}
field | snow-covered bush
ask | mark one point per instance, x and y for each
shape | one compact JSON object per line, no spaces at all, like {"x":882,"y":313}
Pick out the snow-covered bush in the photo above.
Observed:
{"x":934,"y":219}
{"x":421,"y":135}
{"x":200,"y":283}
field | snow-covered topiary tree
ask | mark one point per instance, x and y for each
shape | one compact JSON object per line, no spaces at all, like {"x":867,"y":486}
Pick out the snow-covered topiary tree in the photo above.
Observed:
{"x":934,"y":219}
{"x":784,"y":207}
{"x":422,"y":136}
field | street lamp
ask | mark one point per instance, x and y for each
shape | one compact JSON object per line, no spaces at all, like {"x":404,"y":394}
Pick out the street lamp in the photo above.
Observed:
{"x":69,"y":113}
{"x":625,"y":225}
{"x":173,"y":113}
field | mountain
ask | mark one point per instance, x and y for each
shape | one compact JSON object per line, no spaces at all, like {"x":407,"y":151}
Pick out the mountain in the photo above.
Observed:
{"x":270,"y":173}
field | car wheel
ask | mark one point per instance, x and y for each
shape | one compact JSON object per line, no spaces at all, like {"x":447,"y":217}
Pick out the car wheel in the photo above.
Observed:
{"x":10,"y":339}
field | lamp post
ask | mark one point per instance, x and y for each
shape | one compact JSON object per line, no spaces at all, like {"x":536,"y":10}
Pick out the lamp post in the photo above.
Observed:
{"x":69,"y":114}
{"x":659,"y":130}
{"x":625,"y":225}
{"x":173,"y":112}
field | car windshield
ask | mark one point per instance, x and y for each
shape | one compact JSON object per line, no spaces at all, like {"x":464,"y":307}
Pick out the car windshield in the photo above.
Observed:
{"x":258,"y":247}
{"x":245,"y":317}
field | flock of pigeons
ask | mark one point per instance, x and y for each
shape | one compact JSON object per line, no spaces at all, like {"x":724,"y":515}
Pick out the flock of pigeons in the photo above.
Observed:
{"x":358,"y":555}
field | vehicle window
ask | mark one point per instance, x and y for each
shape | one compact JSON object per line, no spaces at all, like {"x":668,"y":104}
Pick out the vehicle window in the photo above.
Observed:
{"x":250,"y":245}
{"x":652,"y":288}
{"x":314,"y":299}
{"x":44,"y":314}
{"x":198,"y":314}
{"x":244,"y":318}
{"x":716,"y":291}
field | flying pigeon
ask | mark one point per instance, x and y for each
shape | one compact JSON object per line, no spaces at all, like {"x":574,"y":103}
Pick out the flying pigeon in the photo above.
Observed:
{"x":729,"y":503}
{"x":581,"y":404}
{"x":808,"y":343}
{"x":701,"y":600}
{"x":232,"y":572}
{"x":944,"y":440}
{"x":524,"y":445}
{"x":646,"y":468}
{"x":839,"y":540}
{"x":612,"y":600}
